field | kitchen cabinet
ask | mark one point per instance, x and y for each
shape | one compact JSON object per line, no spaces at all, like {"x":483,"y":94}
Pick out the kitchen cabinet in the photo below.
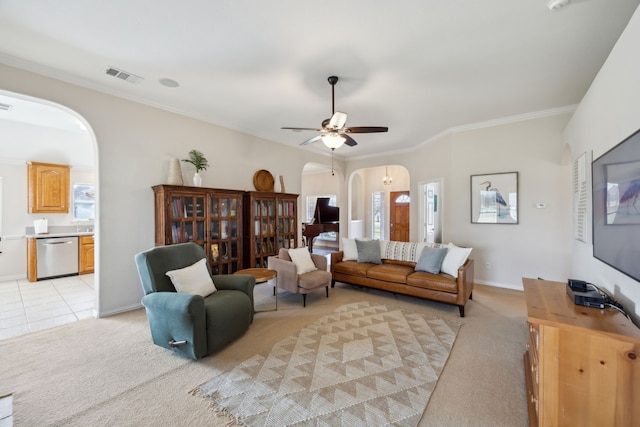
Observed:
{"x":86,"y":255}
{"x":48,"y":188}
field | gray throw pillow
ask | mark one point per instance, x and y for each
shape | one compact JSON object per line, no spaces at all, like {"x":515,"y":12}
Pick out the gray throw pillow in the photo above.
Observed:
{"x":368,"y":251}
{"x":431,"y":260}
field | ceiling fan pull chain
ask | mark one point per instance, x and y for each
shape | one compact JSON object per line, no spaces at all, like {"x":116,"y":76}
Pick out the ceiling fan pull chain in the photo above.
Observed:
{"x":332,"y":171}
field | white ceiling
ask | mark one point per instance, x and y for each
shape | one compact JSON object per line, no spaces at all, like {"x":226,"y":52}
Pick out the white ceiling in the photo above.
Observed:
{"x":420,"y":67}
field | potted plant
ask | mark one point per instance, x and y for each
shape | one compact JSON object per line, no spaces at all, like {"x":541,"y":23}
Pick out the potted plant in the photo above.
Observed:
{"x":197,"y":159}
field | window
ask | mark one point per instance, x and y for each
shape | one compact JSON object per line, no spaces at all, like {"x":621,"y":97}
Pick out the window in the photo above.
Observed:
{"x":377,"y":210}
{"x":84,"y":202}
{"x":310,"y":208}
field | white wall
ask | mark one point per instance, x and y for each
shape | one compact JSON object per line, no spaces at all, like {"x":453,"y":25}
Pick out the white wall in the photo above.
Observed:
{"x":135,"y":143}
{"x":608,"y":113}
{"x":540,"y":245}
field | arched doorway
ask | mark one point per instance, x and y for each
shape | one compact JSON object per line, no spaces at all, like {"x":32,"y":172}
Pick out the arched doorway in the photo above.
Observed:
{"x":43,"y":131}
{"x":369,"y":198}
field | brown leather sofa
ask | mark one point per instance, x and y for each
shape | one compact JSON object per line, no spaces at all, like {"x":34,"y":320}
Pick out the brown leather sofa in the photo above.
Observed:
{"x":400,"y":277}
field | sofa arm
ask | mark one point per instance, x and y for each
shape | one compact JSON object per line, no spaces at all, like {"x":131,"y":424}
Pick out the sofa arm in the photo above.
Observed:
{"x":236,"y":282}
{"x":287,"y":273}
{"x":336,"y":257}
{"x":179,"y":317}
{"x":465,"y":280}
{"x":320,"y":261}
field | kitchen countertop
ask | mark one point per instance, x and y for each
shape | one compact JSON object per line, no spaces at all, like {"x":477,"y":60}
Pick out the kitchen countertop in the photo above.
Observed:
{"x":60,"y":231}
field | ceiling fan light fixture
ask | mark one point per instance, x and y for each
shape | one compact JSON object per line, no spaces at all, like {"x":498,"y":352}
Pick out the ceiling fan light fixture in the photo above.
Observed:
{"x":333,"y":140}
{"x":337,"y":120}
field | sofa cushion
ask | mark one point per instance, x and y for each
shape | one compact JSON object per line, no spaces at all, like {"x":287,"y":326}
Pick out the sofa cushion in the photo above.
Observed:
{"x":301,"y":257}
{"x":431,"y":260}
{"x":194,"y":279}
{"x":456,"y":256}
{"x":400,"y":251}
{"x":314,"y":279}
{"x":368,"y":251}
{"x":352,"y":268}
{"x":349,"y":249}
{"x":396,"y":273}
{"x":435,"y":282}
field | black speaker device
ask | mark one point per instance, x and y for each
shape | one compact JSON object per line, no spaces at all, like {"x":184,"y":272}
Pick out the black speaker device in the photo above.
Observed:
{"x":579,"y":293}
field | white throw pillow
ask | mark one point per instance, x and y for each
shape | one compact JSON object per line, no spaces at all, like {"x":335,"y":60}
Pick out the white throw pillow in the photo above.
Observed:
{"x":455,"y":257}
{"x":302,"y":259}
{"x":349,"y":249}
{"x":194,"y":279}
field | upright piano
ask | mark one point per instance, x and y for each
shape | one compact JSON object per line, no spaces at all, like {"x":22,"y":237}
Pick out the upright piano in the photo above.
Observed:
{"x":325,"y":219}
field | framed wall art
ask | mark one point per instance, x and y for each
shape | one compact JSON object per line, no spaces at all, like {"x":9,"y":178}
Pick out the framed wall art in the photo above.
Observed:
{"x":494,"y":198}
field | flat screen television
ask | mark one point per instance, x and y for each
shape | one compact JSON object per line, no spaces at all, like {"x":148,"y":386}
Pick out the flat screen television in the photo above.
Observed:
{"x":616,"y":207}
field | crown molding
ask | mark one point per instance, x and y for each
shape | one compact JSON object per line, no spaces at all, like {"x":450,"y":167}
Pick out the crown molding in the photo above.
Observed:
{"x":569,"y":109}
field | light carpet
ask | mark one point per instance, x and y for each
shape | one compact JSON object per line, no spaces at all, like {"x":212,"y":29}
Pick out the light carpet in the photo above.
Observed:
{"x":364,"y":364}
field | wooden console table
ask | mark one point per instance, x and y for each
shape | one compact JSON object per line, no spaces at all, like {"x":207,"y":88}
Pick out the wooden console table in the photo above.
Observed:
{"x":582,"y":365}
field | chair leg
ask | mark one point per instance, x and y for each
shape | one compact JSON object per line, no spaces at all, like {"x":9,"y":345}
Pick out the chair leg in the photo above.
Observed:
{"x":304,"y":300}
{"x":327,"y":289}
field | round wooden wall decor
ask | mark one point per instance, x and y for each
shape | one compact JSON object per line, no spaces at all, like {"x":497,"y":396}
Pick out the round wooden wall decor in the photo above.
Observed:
{"x":263,"y":180}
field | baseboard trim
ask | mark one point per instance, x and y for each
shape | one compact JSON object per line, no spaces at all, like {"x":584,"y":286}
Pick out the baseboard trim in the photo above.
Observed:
{"x":100,"y":315}
{"x":500,"y":285}
{"x":14,"y":277}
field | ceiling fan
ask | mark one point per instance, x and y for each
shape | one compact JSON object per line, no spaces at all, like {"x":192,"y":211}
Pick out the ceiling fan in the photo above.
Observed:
{"x":333,"y":132}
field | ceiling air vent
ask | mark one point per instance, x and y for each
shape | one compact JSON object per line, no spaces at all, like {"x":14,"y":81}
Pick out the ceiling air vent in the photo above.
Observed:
{"x":5,"y":107}
{"x":123,"y":75}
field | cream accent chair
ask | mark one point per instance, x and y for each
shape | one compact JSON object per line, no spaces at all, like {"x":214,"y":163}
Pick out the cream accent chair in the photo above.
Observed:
{"x":289,"y":279}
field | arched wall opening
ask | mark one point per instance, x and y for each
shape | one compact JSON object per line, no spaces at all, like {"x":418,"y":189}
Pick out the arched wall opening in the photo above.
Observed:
{"x":43,"y":131}
{"x":369,"y":199}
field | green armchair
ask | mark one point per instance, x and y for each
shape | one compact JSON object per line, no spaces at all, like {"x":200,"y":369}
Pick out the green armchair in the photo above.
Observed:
{"x":189,"y":324}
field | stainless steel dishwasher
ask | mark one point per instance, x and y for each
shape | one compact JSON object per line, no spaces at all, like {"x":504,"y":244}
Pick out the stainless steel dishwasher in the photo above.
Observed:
{"x":57,"y":256}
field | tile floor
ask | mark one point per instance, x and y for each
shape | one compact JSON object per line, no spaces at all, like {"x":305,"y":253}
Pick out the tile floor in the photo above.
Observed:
{"x":31,"y":306}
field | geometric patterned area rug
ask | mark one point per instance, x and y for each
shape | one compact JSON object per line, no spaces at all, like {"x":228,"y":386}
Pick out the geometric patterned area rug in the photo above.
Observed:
{"x":364,"y":364}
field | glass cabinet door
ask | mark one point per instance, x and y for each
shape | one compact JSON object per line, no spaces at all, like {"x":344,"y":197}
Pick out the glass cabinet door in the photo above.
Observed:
{"x":224,"y":230}
{"x":187,"y":219}
{"x":287,"y":223}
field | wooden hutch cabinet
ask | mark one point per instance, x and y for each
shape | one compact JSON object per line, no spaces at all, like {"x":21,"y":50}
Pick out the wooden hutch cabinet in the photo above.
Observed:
{"x":210,"y":217}
{"x":582,"y":364}
{"x":48,"y":188}
{"x":270,"y":224}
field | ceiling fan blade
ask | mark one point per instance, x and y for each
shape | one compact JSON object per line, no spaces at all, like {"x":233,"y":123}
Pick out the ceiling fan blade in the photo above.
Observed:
{"x":312,"y":140}
{"x":299,"y":129}
{"x":348,"y":140}
{"x":366,"y":129}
